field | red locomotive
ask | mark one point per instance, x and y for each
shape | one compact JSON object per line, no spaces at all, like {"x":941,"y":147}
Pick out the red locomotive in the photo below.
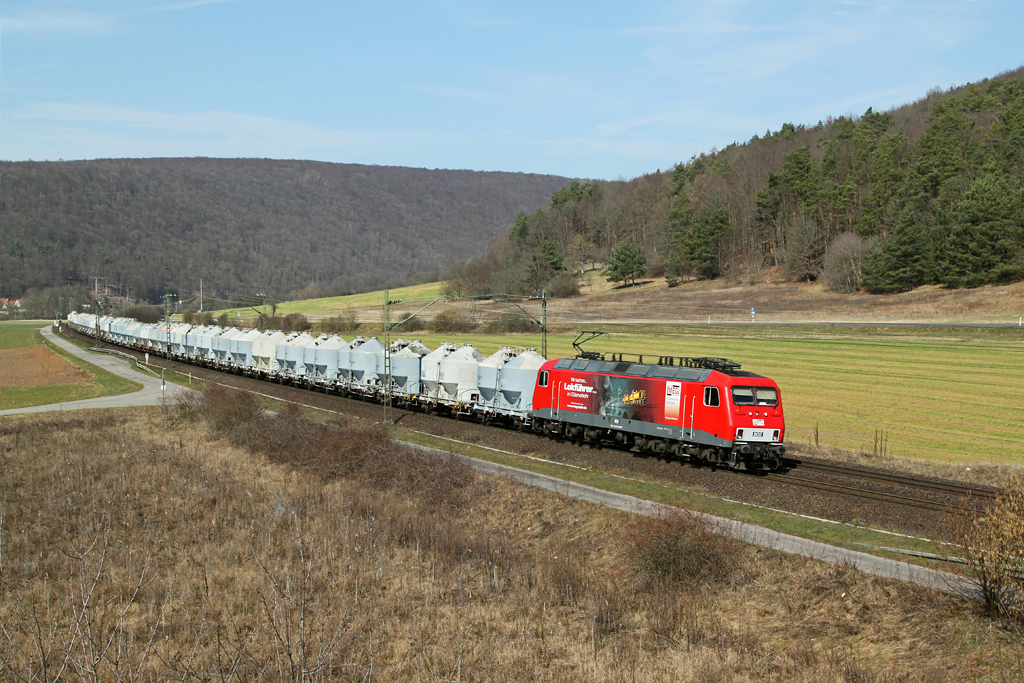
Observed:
{"x":705,"y":409}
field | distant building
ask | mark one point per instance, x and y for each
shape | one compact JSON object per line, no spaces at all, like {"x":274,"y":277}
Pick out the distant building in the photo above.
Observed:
{"x":8,"y":306}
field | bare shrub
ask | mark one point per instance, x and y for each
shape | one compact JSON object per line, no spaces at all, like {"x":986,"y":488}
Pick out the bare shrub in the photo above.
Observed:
{"x":229,"y":409}
{"x":363,"y":453}
{"x":144,"y":314}
{"x":563,"y":286}
{"x":656,"y":269}
{"x":410,"y":323}
{"x":450,"y":321}
{"x":993,"y":546}
{"x":803,"y":248}
{"x":293,"y":322}
{"x":510,"y":323}
{"x":842,"y":261}
{"x":188,"y":406}
{"x":679,"y":547}
{"x":344,"y":323}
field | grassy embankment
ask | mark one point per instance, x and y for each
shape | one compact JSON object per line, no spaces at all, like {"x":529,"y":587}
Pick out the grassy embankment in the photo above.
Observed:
{"x":86,"y":380}
{"x":352,"y":558}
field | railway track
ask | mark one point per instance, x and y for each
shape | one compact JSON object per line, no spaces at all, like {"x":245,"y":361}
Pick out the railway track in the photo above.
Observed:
{"x":867,"y":494}
{"x":967,"y":491}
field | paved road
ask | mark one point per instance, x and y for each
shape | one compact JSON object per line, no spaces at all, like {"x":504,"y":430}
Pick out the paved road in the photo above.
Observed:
{"x":150,"y":394}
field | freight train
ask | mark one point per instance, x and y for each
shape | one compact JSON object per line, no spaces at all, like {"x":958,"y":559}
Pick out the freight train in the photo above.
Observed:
{"x":706,"y":410}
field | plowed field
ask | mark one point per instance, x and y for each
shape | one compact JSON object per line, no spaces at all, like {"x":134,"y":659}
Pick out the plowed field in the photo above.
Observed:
{"x":31,"y":366}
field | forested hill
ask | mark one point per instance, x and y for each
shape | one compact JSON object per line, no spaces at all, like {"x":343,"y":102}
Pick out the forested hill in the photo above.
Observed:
{"x":928,"y":193}
{"x":247,"y":225}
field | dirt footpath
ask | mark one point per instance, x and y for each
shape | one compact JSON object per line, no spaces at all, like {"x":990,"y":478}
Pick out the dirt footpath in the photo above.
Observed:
{"x":36,"y":365}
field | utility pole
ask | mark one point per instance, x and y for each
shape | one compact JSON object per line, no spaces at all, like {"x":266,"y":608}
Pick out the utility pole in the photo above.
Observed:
{"x":167,"y":307}
{"x":387,"y":355}
{"x":544,"y":323}
{"x":200,"y":295}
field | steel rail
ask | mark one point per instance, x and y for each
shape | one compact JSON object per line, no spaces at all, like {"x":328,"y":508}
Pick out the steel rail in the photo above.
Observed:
{"x":964,"y":490}
{"x":865,"y":494}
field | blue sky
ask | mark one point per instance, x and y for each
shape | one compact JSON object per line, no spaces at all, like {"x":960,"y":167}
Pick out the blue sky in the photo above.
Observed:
{"x":584,"y":89}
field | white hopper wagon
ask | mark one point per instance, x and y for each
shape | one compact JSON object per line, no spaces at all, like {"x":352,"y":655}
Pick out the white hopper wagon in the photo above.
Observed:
{"x":459,"y":374}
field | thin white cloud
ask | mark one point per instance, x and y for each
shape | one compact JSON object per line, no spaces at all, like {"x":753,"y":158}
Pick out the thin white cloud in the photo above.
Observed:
{"x":56,"y":22}
{"x":78,"y":129}
{"x":174,"y":7}
{"x":81,"y":21}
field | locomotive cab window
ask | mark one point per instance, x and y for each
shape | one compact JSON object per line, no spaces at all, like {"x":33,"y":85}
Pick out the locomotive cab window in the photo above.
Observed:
{"x":543,"y":379}
{"x":711,"y":397}
{"x":755,"y":396}
{"x":743,"y":396}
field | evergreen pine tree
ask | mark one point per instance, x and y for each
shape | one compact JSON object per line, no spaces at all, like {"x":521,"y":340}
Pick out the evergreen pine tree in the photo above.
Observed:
{"x":626,"y":263}
{"x":901,"y":262}
{"x":986,"y":244}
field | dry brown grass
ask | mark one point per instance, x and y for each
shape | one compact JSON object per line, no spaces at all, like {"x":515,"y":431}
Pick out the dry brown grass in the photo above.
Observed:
{"x":136,"y":550}
{"x":36,"y":365}
{"x":780,"y":301}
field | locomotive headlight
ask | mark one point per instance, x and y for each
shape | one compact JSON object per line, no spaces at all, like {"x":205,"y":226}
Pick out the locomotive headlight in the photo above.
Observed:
{"x":775,"y":435}
{"x":739,"y":434}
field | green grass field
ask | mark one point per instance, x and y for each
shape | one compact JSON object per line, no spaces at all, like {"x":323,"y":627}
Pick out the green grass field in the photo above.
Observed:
{"x":18,"y":334}
{"x":320,"y":308}
{"x":948,"y":400}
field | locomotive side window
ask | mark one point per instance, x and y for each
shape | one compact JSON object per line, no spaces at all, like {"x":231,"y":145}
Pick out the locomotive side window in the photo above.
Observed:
{"x":543,"y":381}
{"x":766,"y":396}
{"x":711,"y":397}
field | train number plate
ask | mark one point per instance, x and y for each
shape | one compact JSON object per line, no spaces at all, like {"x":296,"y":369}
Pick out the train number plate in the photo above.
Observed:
{"x":758,"y":434}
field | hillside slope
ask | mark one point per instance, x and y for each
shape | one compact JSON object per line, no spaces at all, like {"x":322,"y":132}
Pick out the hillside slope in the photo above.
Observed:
{"x":247,"y":225}
{"x":928,"y":193}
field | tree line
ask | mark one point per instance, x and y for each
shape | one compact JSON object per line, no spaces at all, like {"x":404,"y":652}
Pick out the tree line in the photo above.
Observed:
{"x":245,"y":226}
{"x":928,"y":193}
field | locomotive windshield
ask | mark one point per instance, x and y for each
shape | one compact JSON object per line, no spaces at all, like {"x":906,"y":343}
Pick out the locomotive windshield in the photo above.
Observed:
{"x":755,"y":396}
